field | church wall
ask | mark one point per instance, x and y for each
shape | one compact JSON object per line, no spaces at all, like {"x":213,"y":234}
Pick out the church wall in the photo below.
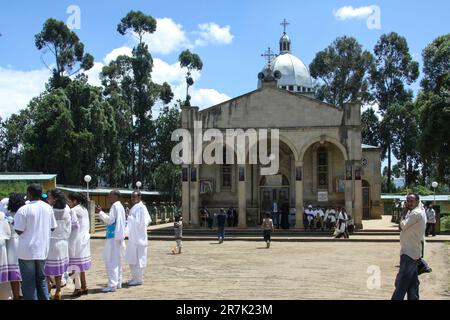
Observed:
{"x":372,"y":174}
{"x":271,"y":108}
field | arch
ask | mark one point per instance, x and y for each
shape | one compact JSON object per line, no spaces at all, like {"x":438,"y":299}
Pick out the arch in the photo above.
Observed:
{"x":325,"y":139}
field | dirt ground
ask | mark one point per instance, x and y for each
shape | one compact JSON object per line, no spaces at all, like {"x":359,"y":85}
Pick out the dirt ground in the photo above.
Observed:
{"x":288,"y":270}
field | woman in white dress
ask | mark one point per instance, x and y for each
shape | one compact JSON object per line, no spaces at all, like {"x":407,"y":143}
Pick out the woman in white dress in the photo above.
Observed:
{"x":79,"y":243}
{"x":5,"y":234}
{"x":58,"y":255}
{"x":14,"y":203}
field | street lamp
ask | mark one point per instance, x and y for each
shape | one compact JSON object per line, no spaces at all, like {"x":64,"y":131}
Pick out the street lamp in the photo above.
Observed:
{"x":138,"y":184}
{"x":87,"y":179}
{"x":434,"y":185}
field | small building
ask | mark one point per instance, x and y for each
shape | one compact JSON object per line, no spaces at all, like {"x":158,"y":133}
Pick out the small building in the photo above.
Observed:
{"x":47,"y":181}
{"x":101,"y":195}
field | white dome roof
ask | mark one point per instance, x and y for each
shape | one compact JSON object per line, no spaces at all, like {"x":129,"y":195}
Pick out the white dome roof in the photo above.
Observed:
{"x":293,"y":71}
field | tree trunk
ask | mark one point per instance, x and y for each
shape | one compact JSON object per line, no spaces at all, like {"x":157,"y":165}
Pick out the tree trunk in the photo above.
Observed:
{"x":389,"y":173}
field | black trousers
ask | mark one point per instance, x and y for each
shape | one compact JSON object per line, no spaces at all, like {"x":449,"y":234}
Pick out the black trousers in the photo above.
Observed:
{"x":431,"y":228}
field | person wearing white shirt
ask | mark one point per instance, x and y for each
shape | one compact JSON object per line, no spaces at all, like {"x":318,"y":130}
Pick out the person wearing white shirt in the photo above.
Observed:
{"x":411,"y":238}
{"x":115,"y":235}
{"x":136,"y":253}
{"x":34,"y":223}
{"x":431,"y":221}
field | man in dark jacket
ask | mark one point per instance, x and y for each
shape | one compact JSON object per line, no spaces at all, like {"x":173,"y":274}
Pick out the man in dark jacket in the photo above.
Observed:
{"x":221,"y":220}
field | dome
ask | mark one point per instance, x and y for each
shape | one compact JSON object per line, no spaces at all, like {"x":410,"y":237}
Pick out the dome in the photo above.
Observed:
{"x":295,"y":75}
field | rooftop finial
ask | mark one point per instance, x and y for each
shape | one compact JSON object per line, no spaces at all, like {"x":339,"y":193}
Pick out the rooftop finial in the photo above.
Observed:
{"x":269,"y":55}
{"x":284,"y":24}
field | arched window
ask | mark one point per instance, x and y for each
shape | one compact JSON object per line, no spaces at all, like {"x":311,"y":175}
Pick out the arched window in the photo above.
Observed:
{"x":322,"y":168}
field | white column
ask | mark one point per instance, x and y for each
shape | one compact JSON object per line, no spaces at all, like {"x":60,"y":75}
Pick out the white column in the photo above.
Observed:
{"x":185,"y":201}
{"x":299,"y":196}
{"x":195,"y":196}
{"x":357,"y":211}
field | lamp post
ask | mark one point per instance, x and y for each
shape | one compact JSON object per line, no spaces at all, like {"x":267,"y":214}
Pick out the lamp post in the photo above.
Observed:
{"x":434,"y":185}
{"x":87,"y":179}
{"x":138,"y":184}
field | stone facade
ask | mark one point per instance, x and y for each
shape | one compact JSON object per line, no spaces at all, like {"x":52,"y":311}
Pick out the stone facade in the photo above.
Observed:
{"x":320,"y":152}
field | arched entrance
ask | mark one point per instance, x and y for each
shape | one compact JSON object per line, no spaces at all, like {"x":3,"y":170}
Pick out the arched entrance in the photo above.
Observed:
{"x":366,"y":199}
{"x":273,"y":189}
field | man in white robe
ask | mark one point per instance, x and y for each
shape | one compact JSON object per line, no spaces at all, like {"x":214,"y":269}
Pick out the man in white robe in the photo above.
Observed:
{"x":136,"y":254}
{"x":115,"y":240}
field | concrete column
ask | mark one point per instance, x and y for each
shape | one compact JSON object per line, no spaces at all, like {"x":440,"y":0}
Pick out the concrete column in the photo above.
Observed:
{"x":195,"y":195}
{"x":185,"y":189}
{"x":357,"y":210}
{"x":349,"y":197}
{"x":242,"y":196}
{"x":299,"y":195}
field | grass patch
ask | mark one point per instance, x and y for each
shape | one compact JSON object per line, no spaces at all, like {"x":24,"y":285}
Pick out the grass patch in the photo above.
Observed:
{"x":8,"y":187}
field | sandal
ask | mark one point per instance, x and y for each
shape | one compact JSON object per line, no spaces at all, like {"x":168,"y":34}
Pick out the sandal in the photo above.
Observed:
{"x":76,"y":293}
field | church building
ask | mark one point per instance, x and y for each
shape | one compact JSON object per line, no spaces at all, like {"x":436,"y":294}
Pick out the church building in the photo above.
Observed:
{"x":322,"y":161}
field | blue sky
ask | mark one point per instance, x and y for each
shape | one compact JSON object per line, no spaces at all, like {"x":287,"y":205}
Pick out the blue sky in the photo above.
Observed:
{"x":229,"y":36}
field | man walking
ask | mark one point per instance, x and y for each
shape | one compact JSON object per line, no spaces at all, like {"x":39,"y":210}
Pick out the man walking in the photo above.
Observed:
{"x":411,"y":237}
{"x":221,"y":220}
{"x":34,"y":223}
{"x":136,"y":254}
{"x":431,"y":221}
{"x":114,"y":245}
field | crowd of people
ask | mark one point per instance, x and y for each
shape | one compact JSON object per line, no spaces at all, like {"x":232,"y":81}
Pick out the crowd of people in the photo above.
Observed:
{"x":45,"y":242}
{"x":331,"y":219}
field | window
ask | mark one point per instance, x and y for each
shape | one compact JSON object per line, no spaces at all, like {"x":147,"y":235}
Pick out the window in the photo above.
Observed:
{"x":291,"y":88}
{"x":322,"y":168}
{"x":226,"y":176}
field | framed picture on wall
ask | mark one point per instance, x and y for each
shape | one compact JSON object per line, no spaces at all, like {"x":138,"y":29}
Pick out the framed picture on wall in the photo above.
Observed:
{"x":340,"y":184}
{"x":206,"y":185}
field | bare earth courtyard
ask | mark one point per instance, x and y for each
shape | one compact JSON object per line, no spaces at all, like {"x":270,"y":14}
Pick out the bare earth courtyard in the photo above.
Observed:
{"x":288,"y":270}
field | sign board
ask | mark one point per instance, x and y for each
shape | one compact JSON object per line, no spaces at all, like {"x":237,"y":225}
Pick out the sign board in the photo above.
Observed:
{"x":322,"y":196}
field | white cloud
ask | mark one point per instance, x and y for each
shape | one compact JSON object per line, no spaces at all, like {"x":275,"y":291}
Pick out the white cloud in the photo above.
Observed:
{"x":18,"y":87}
{"x":122,"y":51}
{"x":168,"y":37}
{"x":213,"y":33}
{"x":207,"y":97}
{"x":348,"y":12}
{"x":171,"y":37}
{"x":171,"y":73}
{"x":94,"y":74}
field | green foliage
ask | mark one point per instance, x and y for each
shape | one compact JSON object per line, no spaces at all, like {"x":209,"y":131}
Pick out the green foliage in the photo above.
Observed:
{"x":421,"y":190}
{"x":343,"y":69}
{"x":168,"y":177}
{"x":190,"y":61}
{"x":436,"y":64}
{"x":138,"y":22}
{"x":370,"y":132}
{"x":393,"y":68}
{"x":6,"y":188}
{"x":67,"y":49}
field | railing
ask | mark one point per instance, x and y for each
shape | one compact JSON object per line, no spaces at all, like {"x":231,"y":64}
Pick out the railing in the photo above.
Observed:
{"x":163,"y":212}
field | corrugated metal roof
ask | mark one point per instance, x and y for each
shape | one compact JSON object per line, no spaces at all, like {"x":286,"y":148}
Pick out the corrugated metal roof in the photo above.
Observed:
{"x":439,"y":197}
{"x":26,"y":177}
{"x":106,"y":191}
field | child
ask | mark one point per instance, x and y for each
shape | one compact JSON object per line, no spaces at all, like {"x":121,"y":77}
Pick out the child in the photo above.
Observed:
{"x":267,"y":226}
{"x":178,"y":229}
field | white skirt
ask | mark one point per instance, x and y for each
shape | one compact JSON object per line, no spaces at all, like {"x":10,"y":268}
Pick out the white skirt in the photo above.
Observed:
{"x":3,"y":262}
{"x":58,"y":257}
{"x":136,"y":255}
{"x":12,"y":246}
